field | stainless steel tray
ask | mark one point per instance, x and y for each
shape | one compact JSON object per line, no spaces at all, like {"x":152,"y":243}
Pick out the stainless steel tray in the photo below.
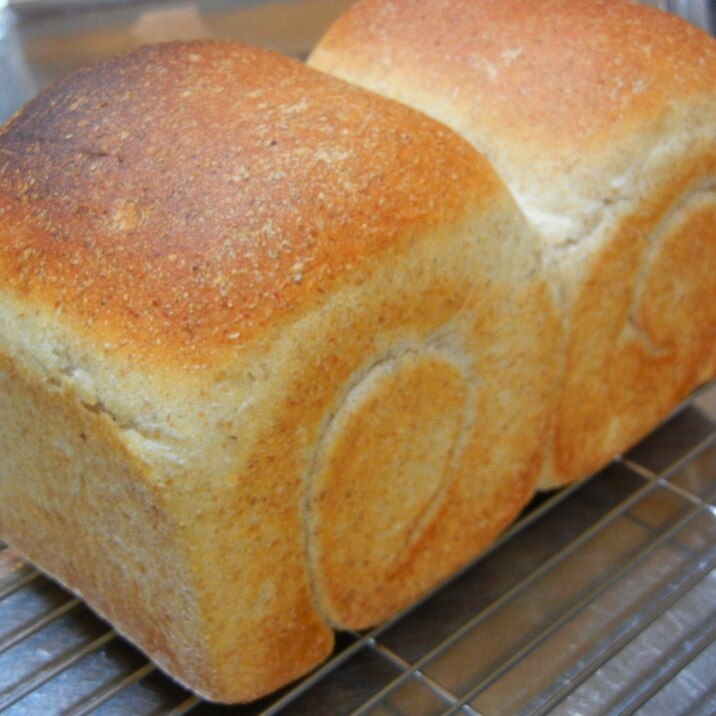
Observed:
{"x":601,"y":599}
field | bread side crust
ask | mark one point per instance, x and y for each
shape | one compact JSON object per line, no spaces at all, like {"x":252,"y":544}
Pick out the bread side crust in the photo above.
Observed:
{"x":240,"y":522}
{"x":186,"y":468}
{"x":472,"y":384}
{"x":78,"y":502}
{"x":643,"y":323}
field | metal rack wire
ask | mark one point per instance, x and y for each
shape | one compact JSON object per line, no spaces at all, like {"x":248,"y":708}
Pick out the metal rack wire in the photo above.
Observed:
{"x":602,"y":599}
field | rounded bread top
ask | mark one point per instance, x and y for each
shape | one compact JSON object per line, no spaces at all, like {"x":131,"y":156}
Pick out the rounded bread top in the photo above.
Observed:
{"x":554,"y":76}
{"x":177,"y":200}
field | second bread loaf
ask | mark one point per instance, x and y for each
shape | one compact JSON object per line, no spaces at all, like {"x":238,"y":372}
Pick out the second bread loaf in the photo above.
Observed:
{"x":600,"y":115}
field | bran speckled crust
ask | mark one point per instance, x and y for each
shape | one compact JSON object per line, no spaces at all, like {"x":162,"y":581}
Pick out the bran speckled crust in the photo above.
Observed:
{"x":275,"y":355}
{"x":600,"y":115}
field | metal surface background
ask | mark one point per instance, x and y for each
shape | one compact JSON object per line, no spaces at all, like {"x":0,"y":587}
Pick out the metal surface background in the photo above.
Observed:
{"x":602,"y":599}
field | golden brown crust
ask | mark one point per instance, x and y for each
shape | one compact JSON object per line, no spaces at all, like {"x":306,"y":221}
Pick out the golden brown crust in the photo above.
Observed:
{"x":557,"y":76}
{"x":169,"y":228}
{"x":182,"y":197}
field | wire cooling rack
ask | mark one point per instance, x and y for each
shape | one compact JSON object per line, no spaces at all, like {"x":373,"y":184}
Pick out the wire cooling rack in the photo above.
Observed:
{"x":601,"y":599}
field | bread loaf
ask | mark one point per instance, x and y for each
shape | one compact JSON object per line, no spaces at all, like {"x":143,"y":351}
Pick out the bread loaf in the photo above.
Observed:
{"x":276,"y":355}
{"x":600,"y":115}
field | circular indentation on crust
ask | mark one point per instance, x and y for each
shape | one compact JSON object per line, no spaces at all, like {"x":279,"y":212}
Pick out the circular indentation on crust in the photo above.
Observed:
{"x":674,"y":297}
{"x":383,"y":463}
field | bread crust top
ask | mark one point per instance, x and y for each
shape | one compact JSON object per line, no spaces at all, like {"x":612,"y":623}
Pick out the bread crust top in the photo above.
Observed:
{"x":613,"y":64}
{"x":583,"y":106}
{"x":177,"y":200}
